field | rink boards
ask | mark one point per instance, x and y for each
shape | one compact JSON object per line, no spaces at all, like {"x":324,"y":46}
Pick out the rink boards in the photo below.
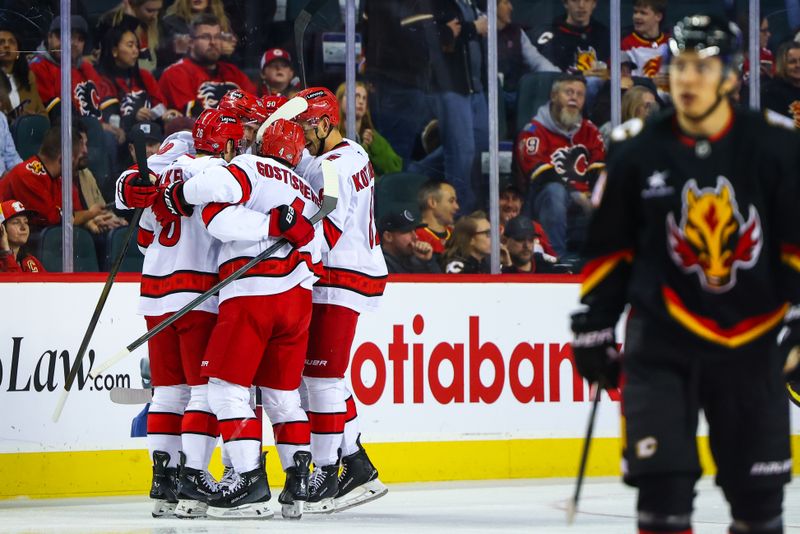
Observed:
{"x":455,"y":379}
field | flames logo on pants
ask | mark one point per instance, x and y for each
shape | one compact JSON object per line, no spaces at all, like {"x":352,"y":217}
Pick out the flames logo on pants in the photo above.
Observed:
{"x":713,"y":239}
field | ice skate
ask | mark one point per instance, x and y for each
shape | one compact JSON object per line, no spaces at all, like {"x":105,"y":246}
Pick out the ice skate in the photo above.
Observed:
{"x":358,"y":481}
{"x":163,"y":490}
{"x":295,"y":491}
{"x":195,"y":487}
{"x":245,"y":498}
{"x":323,"y":486}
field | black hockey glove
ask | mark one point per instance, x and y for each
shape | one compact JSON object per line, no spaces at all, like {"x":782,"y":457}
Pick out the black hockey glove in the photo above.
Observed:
{"x":289,"y":222}
{"x":789,"y":344}
{"x":594,"y":349}
{"x":170,"y":204}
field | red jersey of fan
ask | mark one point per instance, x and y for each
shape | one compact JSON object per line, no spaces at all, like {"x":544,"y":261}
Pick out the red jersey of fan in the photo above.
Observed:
{"x":86,"y":95}
{"x":190,"y":88}
{"x":30,"y":183}
{"x":436,"y":240}
{"x":28,"y":264}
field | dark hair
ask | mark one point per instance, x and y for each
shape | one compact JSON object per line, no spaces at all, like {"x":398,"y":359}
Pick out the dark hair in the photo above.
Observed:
{"x":782,"y":56}
{"x":20,"y":70}
{"x":106,"y":64}
{"x":51,"y":141}
{"x":203,"y":19}
{"x":659,"y":6}
{"x":431,"y":188}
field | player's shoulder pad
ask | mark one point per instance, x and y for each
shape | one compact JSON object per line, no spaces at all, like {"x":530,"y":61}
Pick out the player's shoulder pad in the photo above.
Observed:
{"x":627,"y":130}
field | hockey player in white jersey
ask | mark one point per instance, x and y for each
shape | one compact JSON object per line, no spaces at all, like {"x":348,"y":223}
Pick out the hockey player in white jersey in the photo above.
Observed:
{"x":180,"y":263}
{"x":353,"y":282}
{"x":250,"y":109}
{"x":262,"y":331}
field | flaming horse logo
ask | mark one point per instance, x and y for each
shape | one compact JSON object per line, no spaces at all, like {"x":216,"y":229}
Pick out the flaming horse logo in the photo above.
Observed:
{"x":713,"y":239}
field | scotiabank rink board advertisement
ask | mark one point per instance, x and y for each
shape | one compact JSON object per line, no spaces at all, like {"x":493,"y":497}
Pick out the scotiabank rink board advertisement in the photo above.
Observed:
{"x":452,"y":381}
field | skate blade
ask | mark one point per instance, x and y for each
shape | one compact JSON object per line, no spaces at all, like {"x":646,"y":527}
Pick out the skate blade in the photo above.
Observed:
{"x":189,"y":509}
{"x":292,"y":511}
{"x":257,"y":510}
{"x":162,"y":508}
{"x":374,"y":489}
{"x":325,"y":506}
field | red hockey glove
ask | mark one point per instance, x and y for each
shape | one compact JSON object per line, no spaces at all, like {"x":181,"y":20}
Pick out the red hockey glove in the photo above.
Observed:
{"x":594,"y":349}
{"x":170,"y":204}
{"x":137,"y":193}
{"x":289,"y":222}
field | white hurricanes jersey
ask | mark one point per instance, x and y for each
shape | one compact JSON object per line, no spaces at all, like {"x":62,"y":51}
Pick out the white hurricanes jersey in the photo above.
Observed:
{"x":241,"y":196}
{"x":181,"y":261}
{"x":171,"y":148}
{"x":355,"y":270}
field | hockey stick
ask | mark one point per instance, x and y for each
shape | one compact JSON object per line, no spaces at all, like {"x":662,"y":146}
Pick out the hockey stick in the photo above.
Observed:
{"x":131,"y":395}
{"x":291,"y":109}
{"x":331,"y":195}
{"x":572,"y":505}
{"x":141,"y":161}
{"x":300,"y":25}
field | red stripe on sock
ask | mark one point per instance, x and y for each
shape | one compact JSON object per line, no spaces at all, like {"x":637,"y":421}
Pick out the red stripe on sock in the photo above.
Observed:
{"x":326,"y":423}
{"x":239,"y":429}
{"x":351,"y":409}
{"x":196,"y":422}
{"x":292,"y":433}
{"x":164,"y":423}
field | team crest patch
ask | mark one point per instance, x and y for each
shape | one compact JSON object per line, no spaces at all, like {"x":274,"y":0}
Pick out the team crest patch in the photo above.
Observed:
{"x":585,"y":59}
{"x":36,"y":167}
{"x":713,"y":240}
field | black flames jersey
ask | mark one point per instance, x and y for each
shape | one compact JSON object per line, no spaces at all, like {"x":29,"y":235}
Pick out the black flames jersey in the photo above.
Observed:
{"x":700,"y":236}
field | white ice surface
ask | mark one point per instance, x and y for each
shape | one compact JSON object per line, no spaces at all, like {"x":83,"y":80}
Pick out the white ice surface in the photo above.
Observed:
{"x":532,"y":506}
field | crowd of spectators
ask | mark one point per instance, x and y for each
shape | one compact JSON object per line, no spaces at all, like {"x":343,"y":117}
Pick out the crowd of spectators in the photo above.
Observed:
{"x":145,"y":68}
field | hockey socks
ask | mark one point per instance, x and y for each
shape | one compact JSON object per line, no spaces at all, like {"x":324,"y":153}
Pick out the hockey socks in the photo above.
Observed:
{"x":238,"y":425}
{"x":352,"y":429}
{"x":199,"y":430}
{"x":326,"y":404}
{"x":164,"y":421}
{"x":290,"y":425}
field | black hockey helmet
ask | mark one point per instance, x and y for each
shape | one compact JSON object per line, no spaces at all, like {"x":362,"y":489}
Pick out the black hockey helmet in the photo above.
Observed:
{"x":709,"y":36}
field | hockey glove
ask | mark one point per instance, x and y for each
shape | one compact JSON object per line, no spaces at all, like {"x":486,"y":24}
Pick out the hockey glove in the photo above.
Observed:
{"x":170,"y":204}
{"x":137,"y":193}
{"x":289,"y":222}
{"x":594,"y":348}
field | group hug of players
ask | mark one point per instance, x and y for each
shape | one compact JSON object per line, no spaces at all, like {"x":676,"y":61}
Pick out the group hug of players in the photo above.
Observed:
{"x":284,"y":329}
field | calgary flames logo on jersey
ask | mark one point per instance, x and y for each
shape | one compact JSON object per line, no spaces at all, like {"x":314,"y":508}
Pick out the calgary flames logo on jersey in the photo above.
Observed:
{"x":35,"y":167}
{"x":794,"y":112}
{"x":585,"y":59}
{"x":652,"y":67}
{"x":87,"y":100}
{"x":210,"y":93}
{"x":713,"y":239}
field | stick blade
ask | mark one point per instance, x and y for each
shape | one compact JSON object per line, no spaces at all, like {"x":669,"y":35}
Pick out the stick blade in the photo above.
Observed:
{"x":572,"y":509}
{"x":330,"y":179}
{"x":130,"y":396}
{"x":62,"y":399}
{"x":94,"y":373}
{"x":291,"y":109}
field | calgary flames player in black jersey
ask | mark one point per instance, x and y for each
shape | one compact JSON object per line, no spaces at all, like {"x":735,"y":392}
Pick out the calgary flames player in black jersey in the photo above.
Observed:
{"x":697,"y":228}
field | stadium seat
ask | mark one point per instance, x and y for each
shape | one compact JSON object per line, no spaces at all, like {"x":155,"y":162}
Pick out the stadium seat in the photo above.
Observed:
{"x":534,"y":90}
{"x":28,"y":132}
{"x":133,"y":257}
{"x":398,"y":191}
{"x":84,"y":255}
{"x":98,"y":156}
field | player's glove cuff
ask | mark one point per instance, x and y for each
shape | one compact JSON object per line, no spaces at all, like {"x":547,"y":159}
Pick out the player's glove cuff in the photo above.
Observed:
{"x":594,"y":349}
{"x":175,"y":201}
{"x":289,"y":222}
{"x":138,"y":193}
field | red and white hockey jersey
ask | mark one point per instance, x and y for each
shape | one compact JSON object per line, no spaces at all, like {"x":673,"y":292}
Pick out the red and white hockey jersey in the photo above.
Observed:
{"x":181,"y":261}
{"x":243,"y":193}
{"x":171,"y":148}
{"x":355,"y":271}
{"x":648,"y":56}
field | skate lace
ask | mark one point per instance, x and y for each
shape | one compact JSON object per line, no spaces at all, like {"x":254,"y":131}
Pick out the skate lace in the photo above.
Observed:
{"x":209,"y":481}
{"x":233,"y":486}
{"x":228,"y":476}
{"x":317,"y":479}
{"x":343,"y":474}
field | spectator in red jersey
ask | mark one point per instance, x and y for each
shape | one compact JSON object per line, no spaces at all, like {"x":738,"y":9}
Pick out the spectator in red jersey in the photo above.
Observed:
{"x":561,"y":154}
{"x":277,"y":74}
{"x":402,"y":250}
{"x":781,"y":94}
{"x":646,"y":49}
{"x":766,"y":58}
{"x":36,"y":182}
{"x":14,"y":234}
{"x":437,"y":207}
{"x":130,"y":93}
{"x":200,"y":80}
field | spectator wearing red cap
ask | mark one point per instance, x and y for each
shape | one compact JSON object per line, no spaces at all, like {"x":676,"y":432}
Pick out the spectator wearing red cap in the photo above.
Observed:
{"x":14,"y":234}
{"x":200,"y":80}
{"x":277,"y":74}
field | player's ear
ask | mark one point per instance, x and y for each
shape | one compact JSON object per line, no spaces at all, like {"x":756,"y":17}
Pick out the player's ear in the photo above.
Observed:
{"x":731,"y":82}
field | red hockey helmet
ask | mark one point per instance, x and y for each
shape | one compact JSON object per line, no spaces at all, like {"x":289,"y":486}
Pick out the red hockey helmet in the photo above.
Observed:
{"x":321,"y":102}
{"x":273,"y":102}
{"x":213,"y":128}
{"x":283,"y":140}
{"x":246,"y":106}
